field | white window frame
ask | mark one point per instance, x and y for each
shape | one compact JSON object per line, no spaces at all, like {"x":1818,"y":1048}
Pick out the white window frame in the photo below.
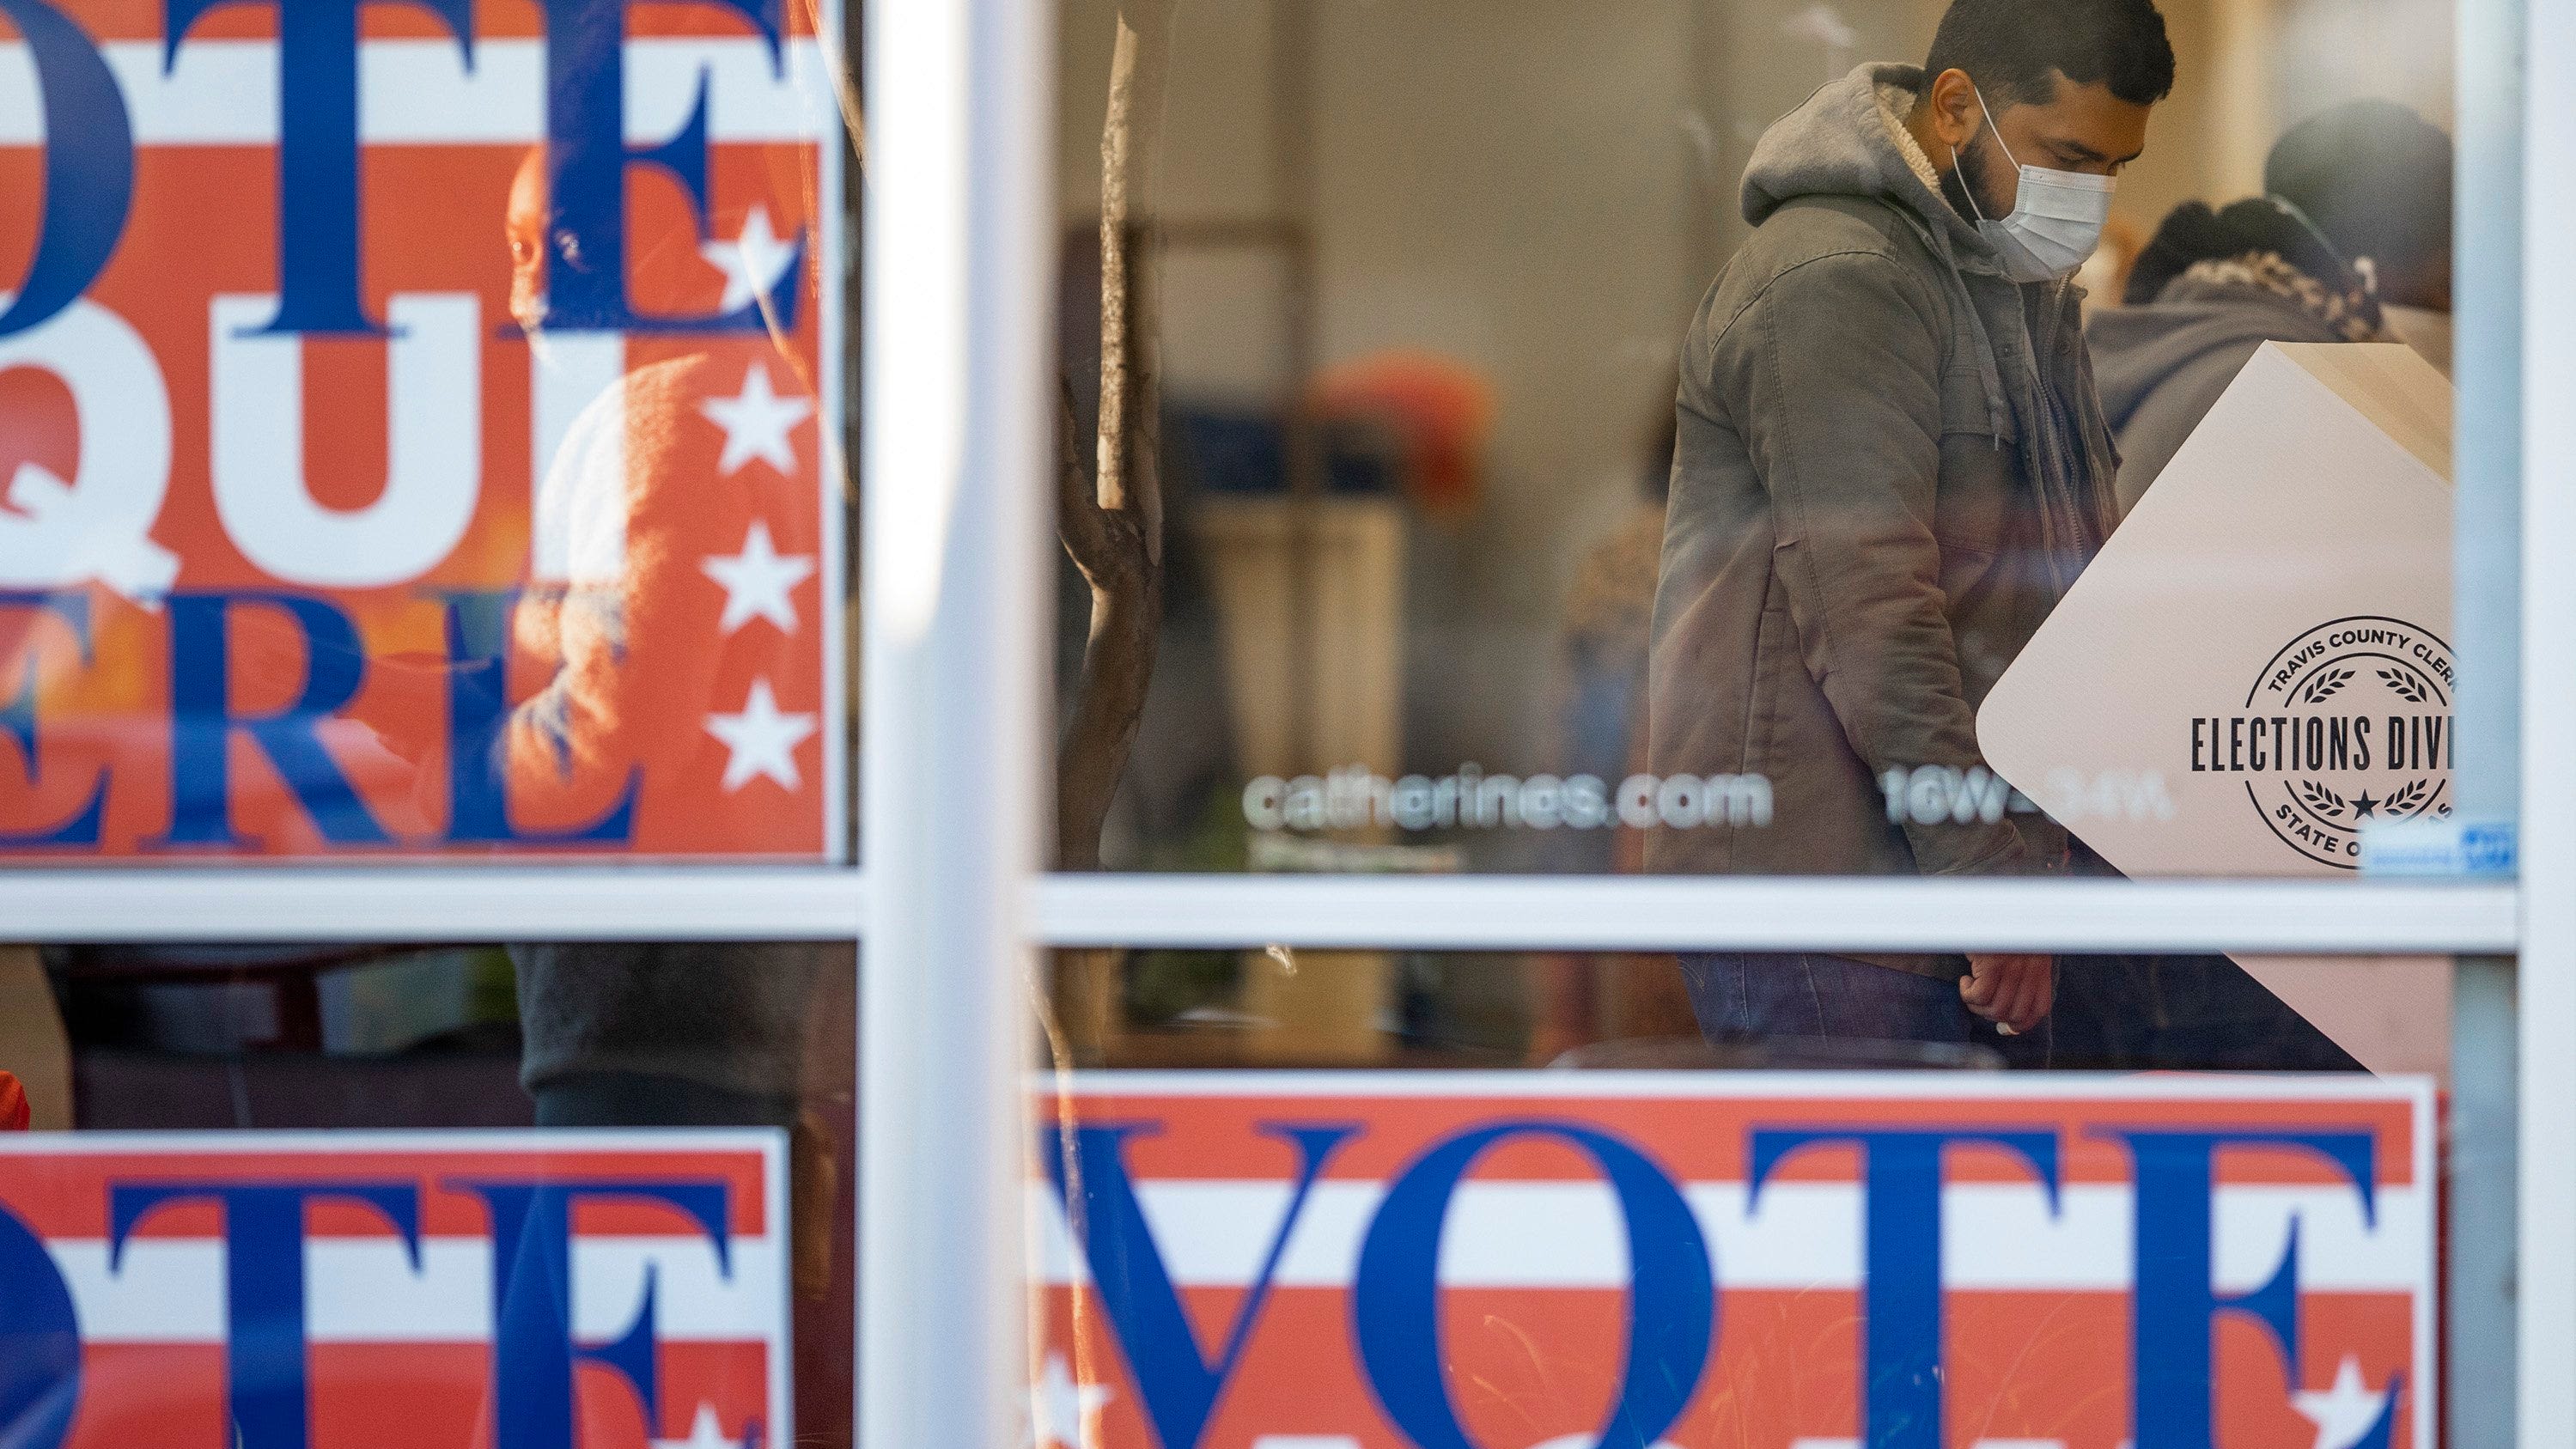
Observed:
{"x":2544,"y":1277}
{"x":953,"y":905}
{"x":980,"y":152}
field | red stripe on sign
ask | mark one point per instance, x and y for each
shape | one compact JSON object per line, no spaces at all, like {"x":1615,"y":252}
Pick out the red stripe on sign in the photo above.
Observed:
{"x":493,"y":19}
{"x":1528,"y":1367}
{"x":396,"y":1396}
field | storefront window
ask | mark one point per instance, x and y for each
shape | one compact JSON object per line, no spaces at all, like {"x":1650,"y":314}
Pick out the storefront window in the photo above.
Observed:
{"x":422,"y":439}
{"x":1877,"y":442}
{"x":1281,"y":1008}
{"x":1735,"y":688}
{"x":695,"y":1130}
{"x":1793,"y":1230}
{"x":421,"y":442}
{"x":1702,"y":440}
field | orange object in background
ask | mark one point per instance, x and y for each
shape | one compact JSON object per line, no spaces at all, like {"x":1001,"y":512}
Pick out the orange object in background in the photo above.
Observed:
{"x":1437,"y":410}
{"x":13,"y":1104}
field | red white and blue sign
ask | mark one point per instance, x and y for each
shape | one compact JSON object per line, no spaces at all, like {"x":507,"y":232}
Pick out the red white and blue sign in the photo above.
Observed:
{"x":1733,"y":1261}
{"x":571,"y":1290}
{"x":417,"y":426}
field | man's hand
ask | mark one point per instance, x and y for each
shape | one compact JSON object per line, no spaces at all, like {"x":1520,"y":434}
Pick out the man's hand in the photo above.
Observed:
{"x":2012,"y":991}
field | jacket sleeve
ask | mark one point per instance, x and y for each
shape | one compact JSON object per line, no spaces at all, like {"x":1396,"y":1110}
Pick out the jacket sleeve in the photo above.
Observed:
{"x":1836,"y":368}
{"x":636,"y":656}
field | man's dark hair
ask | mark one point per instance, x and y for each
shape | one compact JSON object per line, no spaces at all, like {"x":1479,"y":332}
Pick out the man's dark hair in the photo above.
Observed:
{"x":2015,"y":49}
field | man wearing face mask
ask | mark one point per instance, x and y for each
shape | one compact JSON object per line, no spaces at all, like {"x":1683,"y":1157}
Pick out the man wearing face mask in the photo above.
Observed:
{"x":1891,"y":466}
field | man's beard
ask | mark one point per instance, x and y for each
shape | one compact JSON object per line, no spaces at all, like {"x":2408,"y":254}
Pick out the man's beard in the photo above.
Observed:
{"x":1965,"y":161}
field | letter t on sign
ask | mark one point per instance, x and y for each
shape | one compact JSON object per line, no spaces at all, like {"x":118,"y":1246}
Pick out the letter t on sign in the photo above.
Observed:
{"x":1901,"y":1253}
{"x":317,"y":151}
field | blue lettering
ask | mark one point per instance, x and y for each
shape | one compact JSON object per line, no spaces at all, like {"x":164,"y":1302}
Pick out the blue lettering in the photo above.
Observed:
{"x":202,"y":720}
{"x":1672,"y":1303}
{"x":2174,"y":1303}
{"x":1178,"y":1383}
{"x":478,"y":711}
{"x":264,"y":1324}
{"x":40,"y":1346}
{"x":533,"y":1351}
{"x":317,"y":152}
{"x":587,"y":162}
{"x":1901,"y":1399}
{"x":89,"y":164}
{"x":19,"y":719}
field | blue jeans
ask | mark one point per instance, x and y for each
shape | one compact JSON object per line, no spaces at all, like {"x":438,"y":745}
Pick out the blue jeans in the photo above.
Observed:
{"x":1740,"y":996}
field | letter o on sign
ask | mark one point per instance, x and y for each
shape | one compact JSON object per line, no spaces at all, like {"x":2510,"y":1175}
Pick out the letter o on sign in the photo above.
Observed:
{"x":40,"y":1347}
{"x":1672,"y":1297}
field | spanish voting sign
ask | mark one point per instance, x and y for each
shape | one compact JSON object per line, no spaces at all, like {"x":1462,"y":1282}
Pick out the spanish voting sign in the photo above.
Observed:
{"x":417,"y":426}
{"x":1732,"y":1261}
{"x":2256,"y":667}
{"x":366,"y":1290}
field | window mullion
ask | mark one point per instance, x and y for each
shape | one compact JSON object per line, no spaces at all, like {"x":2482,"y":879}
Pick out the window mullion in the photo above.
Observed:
{"x":1499,"y":913}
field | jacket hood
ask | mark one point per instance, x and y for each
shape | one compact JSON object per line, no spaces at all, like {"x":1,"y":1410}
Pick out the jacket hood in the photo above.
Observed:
{"x":2137,"y":348}
{"x":1849,"y":139}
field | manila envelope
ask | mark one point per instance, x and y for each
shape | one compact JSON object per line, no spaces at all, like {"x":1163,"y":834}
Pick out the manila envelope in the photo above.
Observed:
{"x":2257,"y":664}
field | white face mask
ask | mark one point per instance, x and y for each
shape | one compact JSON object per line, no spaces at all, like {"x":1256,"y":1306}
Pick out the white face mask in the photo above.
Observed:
{"x":2056,"y":222}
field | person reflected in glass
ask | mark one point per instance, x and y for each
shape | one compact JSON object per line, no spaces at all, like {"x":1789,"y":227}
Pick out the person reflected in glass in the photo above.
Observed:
{"x":618,"y":651}
{"x":1891,"y":465}
{"x":640,"y":497}
{"x":2350,"y":243}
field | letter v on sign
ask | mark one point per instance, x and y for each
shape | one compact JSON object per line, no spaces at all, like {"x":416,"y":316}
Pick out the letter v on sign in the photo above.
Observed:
{"x":1178,"y":1383}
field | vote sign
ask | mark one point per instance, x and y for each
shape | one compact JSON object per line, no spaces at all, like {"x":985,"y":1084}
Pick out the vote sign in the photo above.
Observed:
{"x":414,"y":422}
{"x":381,"y":1290}
{"x":1554,"y":1261}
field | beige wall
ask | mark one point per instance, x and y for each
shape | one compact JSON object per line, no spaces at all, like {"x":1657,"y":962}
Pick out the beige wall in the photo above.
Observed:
{"x":1505,"y":181}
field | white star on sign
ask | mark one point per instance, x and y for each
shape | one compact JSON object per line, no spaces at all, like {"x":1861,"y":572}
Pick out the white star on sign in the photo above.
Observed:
{"x":751,"y":262}
{"x":703,"y":1434}
{"x":1060,"y":1410}
{"x":756,"y":423}
{"x":2346,"y":1413}
{"x":757,"y":581}
{"x":761,"y":740}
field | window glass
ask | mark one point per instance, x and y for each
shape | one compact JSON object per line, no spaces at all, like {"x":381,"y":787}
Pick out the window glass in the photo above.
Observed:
{"x":1847,"y":1212}
{"x":689,"y":1107}
{"x":1761,"y":437}
{"x":1283,"y":1008}
{"x":420,"y":440}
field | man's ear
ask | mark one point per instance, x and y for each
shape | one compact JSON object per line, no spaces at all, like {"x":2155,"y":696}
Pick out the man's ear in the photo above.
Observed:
{"x":1956,"y":112}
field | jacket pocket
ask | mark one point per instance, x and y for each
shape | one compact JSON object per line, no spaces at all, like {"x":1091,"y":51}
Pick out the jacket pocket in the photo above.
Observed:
{"x":1967,"y":409}
{"x":1973,"y":499}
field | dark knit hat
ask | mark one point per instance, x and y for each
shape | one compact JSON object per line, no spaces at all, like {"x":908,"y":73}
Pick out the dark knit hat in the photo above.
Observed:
{"x":2374,"y":177}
